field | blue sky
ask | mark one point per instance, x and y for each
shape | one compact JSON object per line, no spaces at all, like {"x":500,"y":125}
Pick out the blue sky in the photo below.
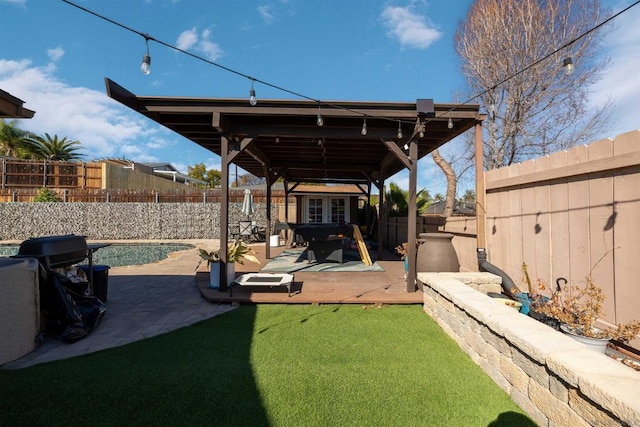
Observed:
{"x":54,"y":57}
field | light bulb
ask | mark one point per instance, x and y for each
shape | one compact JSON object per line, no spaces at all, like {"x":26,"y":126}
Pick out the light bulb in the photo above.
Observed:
{"x":450,"y":123}
{"x":252,"y":98}
{"x":320,"y":120}
{"x":145,"y":67}
{"x":399,"y":131}
{"x":568,"y":66}
{"x":363,"y":131}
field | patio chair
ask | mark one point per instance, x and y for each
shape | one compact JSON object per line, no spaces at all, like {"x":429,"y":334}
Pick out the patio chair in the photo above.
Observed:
{"x":234,"y":231}
{"x":246,"y":231}
{"x":259,"y":233}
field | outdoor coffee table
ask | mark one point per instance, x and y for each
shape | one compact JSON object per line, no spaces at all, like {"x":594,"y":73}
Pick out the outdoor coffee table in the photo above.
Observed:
{"x":264,"y":279}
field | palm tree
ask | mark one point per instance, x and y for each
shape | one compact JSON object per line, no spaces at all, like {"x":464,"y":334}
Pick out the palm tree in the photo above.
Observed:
{"x":11,"y":138}
{"x":397,"y":200}
{"x":48,"y":148}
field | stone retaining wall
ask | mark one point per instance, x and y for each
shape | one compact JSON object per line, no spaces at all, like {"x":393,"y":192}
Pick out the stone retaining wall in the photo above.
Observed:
{"x":555,"y":379}
{"x":126,"y":221}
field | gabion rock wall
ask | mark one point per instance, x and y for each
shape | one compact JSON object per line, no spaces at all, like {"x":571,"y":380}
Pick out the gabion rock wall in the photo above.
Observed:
{"x":127,"y":221}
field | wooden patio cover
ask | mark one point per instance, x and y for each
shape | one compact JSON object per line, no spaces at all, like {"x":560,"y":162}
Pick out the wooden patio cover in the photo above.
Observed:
{"x":282,"y":139}
{"x":12,"y":107}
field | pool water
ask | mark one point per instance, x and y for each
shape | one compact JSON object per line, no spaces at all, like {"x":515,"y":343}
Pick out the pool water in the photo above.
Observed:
{"x":122,"y":254}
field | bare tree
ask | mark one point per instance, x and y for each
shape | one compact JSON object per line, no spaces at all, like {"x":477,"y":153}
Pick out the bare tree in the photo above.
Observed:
{"x":452,"y":182}
{"x":535,"y":109}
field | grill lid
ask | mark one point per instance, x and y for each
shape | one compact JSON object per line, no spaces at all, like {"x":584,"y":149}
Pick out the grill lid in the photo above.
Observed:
{"x":56,"y":251}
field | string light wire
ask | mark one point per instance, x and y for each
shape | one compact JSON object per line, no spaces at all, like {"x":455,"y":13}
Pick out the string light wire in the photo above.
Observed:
{"x":336,"y":106}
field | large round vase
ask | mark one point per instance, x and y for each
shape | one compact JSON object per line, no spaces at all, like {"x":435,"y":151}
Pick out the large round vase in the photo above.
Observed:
{"x":436,"y":253}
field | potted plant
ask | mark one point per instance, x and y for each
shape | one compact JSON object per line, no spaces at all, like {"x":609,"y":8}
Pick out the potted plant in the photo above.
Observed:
{"x":577,"y":311}
{"x":403,"y":250}
{"x":237,"y":252}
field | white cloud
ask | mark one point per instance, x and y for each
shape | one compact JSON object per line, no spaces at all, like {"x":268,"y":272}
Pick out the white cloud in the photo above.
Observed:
{"x":266,"y":14}
{"x":55,"y":54}
{"x":103,"y":127}
{"x":619,"y":83}
{"x":411,"y":29}
{"x":187,"y":39}
{"x":16,"y":2}
{"x":201,"y":43}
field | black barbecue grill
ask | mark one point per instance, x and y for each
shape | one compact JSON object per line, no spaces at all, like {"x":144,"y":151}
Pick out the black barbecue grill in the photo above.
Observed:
{"x":56,"y":251}
{"x":68,"y":310}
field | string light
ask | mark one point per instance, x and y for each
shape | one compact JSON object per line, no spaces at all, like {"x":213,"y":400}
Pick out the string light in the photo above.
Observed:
{"x":363,"y":131}
{"x":145,"y":67}
{"x":147,"y":60}
{"x":450,"y":123}
{"x":399,"y":130}
{"x":320,"y":120}
{"x":252,"y":95}
{"x":568,"y":66}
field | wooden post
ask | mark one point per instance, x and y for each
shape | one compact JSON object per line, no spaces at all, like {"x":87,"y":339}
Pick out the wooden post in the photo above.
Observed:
{"x":267,"y":238}
{"x":224,"y":211}
{"x":413,"y":212}
{"x":480,"y":190}
{"x":286,"y":201}
{"x":382,"y":216}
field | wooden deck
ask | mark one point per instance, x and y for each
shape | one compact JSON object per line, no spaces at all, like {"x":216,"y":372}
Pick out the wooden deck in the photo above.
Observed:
{"x":385,"y":287}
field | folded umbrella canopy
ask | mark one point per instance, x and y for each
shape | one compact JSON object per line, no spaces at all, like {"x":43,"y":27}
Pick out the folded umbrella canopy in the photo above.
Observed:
{"x":247,"y":203}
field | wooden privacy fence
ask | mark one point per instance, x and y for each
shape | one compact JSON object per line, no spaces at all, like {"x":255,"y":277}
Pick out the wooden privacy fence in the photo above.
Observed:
{"x":570,"y":214}
{"x":143,"y":196}
{"x":17,"y":173}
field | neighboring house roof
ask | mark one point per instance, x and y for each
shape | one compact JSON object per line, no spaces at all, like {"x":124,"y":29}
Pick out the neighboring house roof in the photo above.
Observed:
{"x":167,"y":170}
{"x":161,"y":166}
{"x":11,"y":107}
{"x":437,"y":208}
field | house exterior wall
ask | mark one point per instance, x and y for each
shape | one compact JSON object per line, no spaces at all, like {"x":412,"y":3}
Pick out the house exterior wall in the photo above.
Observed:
{"x":302,"y":203}
{"x":115,"y":176}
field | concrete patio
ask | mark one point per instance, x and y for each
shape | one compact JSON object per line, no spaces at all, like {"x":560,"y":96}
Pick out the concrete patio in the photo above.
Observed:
{"x":153,"y":299}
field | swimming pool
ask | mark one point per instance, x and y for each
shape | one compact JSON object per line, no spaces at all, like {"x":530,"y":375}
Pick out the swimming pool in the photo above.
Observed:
{"x":122,"y":254}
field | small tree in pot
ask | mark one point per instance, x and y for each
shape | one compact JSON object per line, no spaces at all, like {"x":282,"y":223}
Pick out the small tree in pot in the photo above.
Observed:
{"x":237,"y":252}
{"x":577,"y":311}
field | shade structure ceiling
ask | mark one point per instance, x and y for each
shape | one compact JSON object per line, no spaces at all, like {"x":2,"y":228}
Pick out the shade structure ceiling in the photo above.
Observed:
{"x":281,"y":138}
{"x":11,"y":107}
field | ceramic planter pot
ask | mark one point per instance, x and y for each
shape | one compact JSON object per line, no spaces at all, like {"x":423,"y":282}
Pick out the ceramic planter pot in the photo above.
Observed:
{"x":596,"y":344}
{"x":214,"y":274}
{"x":436,"y":253}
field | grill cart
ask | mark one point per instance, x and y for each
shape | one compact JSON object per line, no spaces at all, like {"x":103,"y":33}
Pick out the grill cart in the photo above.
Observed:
{"x":67,"y":304}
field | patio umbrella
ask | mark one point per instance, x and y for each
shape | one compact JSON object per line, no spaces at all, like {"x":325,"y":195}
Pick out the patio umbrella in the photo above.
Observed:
{"x":247,"y":203}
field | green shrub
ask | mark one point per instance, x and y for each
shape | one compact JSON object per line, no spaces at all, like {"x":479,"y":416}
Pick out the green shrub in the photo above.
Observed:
{"x":47,"y":195}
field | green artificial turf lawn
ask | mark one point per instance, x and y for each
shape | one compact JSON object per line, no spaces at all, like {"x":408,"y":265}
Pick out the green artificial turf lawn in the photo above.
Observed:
{"x":276,"y":365}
